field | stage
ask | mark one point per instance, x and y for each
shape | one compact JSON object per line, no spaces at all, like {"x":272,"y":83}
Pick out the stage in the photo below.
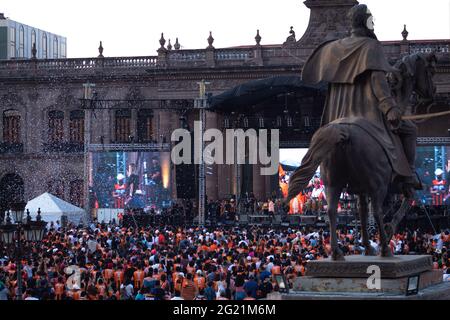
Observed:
{"x":439,"y":222}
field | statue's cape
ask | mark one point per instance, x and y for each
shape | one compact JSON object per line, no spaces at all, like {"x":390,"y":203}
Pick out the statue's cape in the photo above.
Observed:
{"x":341,"y":61}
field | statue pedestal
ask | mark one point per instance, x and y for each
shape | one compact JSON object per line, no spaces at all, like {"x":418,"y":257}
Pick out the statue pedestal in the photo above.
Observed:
{"x":336,"y":280}
{"x":356,"y":266}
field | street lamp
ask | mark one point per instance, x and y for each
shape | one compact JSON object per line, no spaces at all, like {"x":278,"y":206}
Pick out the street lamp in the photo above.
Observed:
{"x":11,"y":234}
{"x":8,"y":231}
{"x":17,"y":210}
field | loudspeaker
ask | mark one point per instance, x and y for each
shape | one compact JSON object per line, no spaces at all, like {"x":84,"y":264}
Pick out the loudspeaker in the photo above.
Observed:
{"x":186,"y":181}
{"x":308,"y":220}
{"x":185,"y":174}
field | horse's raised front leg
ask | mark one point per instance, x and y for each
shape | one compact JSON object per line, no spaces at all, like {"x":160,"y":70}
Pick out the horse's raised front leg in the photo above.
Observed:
{"x":363,"y":216}
{"x":333,"y":199}
{"x":377,"y":203}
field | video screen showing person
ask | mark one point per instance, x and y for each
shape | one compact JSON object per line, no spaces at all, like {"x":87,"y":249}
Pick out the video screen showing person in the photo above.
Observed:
{"x":310,"y":200}
{"x":433,"y":168}
{"x":130,"y":180}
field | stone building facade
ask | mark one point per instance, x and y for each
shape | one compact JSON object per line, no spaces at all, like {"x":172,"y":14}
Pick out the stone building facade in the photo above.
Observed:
{"x":43,"y":127}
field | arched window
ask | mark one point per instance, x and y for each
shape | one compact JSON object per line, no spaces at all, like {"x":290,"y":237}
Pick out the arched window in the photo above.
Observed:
{"x":144,"y":125}
{"x":11,"y":190}
{"x":55,"y":47}
{"x":56,"y":188}
{"x":33,"y":38}
{"x":55,"y":126}
{"x":11,"y":126}
{"x":123,"y":125}
{"x":21,"y":42}
{"x":76,"y":193}
{"x":76,"y":126}
{"x":12,"y":42}
{"x":44,"y":46}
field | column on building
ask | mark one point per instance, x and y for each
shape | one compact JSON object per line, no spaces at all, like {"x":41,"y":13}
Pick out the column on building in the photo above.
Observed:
{"x":164,"y":127}
{"x":106,"y":123}
{"x":259,"y":183}
{"x":268,"y":191}
{"x":133,"y":127}
{"x":224,"y":173}
{"x":225,"y":180}
{"x":112,"y":124}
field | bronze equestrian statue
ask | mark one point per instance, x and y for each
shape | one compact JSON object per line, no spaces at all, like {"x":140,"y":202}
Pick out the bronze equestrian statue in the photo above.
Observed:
{"x":363,"y":144}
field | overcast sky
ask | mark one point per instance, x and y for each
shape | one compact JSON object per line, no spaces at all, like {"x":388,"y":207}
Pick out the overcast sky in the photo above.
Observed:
{"x":133,"y":27}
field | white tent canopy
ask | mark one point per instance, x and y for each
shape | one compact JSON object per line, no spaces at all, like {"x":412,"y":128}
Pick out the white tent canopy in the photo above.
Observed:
{"x":52,"y":208}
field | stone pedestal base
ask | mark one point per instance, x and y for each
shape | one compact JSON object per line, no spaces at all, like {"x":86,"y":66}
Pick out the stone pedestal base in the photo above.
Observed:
{"x":359,"y":285}
{"x":337,"y":280}
{"x":356,"y":266}
{"x":437,"y":292}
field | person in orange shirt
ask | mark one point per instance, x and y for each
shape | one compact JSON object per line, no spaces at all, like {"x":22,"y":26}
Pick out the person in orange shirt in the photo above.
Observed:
{"x":156,"y":275}
{"x":299,"y":269}
{"x":138,"y":277}
{"x":276,"y":269}
{"x":94,"y":273}
{"x":108,"y":274}
{"x":178,"y":283}
{"x":200,"y":280}
{"x":165,"y":285}
{"x":118,"y":277}
{"x":101,"y":289}
{"x":59,"y":289}
{"x":75,"y":293}
{"x":190,"y":267}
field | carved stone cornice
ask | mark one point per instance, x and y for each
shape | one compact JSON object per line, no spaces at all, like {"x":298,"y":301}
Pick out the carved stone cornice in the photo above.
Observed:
{"x":66,"y":99}
{"x":11,"y":99}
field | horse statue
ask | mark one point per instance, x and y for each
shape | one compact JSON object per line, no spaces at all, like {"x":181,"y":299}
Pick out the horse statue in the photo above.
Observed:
{"x":348,"y":154}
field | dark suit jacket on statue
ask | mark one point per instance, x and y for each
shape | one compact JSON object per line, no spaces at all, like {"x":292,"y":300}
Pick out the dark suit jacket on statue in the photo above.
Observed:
{"x":358,"y":92}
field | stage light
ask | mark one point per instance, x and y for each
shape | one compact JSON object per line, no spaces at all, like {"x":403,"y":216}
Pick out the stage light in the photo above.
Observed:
{"x":279,"y":122}
{"x":226,"y":123}
{"x":307,"y":122}
{"x":165,"y":168}
{"x":245,"y":120}
{"x":261,"y":122}
{"x":289,"y":122}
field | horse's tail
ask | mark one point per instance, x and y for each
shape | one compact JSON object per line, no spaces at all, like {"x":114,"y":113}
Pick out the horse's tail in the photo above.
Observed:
{"x":323,"y":142}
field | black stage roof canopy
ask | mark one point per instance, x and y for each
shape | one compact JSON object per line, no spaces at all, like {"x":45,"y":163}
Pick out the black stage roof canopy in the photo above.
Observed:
{"x":248,"y":94}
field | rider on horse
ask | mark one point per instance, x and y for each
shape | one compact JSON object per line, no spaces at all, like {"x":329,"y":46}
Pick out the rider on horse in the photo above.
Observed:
{"x":355,"y":68}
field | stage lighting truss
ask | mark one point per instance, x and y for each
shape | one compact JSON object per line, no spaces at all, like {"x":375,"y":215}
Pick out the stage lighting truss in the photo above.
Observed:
{"x":129,"y":147}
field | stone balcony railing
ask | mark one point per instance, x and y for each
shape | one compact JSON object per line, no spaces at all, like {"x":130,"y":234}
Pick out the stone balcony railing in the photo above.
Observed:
{"x":186,"y":56}
{"x":64,"y":147}
{"x":233,"y":54}
{"x":78,"y":63}
{"x":274,"y":55}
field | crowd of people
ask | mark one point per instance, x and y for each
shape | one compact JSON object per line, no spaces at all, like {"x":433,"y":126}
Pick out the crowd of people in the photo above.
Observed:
{"x":110,"y":262}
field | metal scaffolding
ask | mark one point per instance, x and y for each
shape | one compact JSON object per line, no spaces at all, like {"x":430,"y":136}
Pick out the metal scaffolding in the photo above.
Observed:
{"x":91,"y":102}
{"x":201,"y":104}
